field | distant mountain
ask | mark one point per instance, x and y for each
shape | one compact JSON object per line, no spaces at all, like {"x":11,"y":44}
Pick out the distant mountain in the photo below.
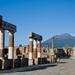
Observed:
{"x":60,"y":41}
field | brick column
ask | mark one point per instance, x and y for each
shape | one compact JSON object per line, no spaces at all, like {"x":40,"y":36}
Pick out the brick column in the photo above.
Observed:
{"x":1,"y":42}
{"x":11,"y":45}
{"x":38,"y":49}
{"x":30,"y":57}
{"x":34,"y":49}
{"x":35,"y":52}
{"x":27,"y":49}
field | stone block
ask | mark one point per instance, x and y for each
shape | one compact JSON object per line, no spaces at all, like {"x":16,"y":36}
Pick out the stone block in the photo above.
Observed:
{"x":8,"y":63}
{"x":24,"y":62}
{"x":0,"y":64}
{"x":17,"y":63}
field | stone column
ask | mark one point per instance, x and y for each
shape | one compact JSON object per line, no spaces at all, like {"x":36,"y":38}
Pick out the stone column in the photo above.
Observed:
{"x":52,"y":53}
{"x":38,"y":49}
{"x":1,"y":42}
{"x":11,"y":46}
{"x":26,"y":49}
{"x":53,"y":43}
{"x":30,"y":57}
{"x":34,"y":49}
{"x":35,"y":52}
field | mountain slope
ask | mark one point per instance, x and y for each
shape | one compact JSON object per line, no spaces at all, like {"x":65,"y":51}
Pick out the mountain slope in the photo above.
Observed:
{"x":60,"y":41}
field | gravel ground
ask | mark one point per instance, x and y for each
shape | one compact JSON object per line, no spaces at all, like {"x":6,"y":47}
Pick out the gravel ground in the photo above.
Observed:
{"x":66,"y":67}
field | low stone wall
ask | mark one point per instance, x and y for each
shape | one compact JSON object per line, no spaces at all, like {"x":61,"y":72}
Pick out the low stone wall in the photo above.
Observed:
{"x":0,"y":64}
{"x":17,"y":63}
{"x":24,"y":62}
{"x":20,"y":62}
{"x":38,"y":61}
{"x":42,"y":61}
{"x":8,"y":63}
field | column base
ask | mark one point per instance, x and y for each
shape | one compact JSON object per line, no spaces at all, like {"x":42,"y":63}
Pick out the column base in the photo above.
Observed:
{"x":36,"y":61}
{"x":10,"y":53}
{"x":52,"y":59}
{"x":30,"y":62}
{"x":72,"y":57}
{"x":1,"y":63}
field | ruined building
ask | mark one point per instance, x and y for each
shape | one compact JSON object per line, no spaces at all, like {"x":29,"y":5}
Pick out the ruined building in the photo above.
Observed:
{"x":19,"y":56}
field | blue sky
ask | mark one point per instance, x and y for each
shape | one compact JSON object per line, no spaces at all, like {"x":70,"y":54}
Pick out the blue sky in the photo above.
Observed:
{"x":45,"y":17}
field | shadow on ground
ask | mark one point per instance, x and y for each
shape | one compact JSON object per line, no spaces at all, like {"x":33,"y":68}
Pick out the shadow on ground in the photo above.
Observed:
{"x":30,"y":68}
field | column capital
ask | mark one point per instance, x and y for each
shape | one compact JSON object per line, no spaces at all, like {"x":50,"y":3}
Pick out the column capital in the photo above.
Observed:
{"x":30,"y":39}
{"x":38,"y":41}
{"x":10,"y":32}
